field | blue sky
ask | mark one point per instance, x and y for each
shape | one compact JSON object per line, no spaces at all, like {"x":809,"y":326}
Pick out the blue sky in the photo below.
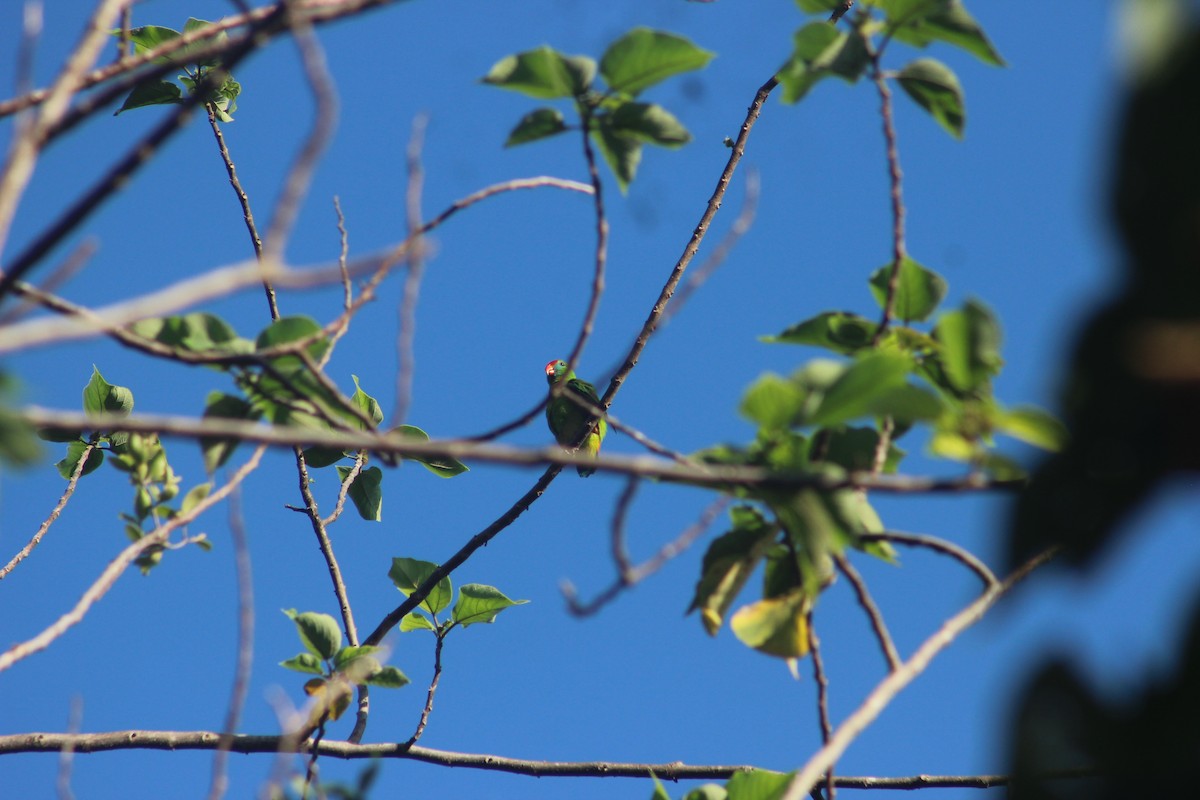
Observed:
{"x":1015,"y":214}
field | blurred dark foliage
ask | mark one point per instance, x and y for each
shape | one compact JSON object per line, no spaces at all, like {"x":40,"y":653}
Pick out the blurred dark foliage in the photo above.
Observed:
{"x":1133,"y":387}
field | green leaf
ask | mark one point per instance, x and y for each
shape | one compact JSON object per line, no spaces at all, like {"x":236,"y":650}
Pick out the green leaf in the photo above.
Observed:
{"x":856,"y":391}
{"x":305,"y":662}
{"x":906,"y":404}
{"x":198,"y":332}
{"x":759,"y":784}
{"x":346,"y":655}
{"x":148,"y":37}
{"x":480,"y":603}
{"x":543,"y":73}
{"x":194,"y":24}
{"x":920,"y":22}
{"x":194,"y":496}
{"x":388,"y":678}
{"x":817,"y":6}
{"x":1033,"y":426}
{"x":75,"y":450}
{"x":707,"y":791}
{"x":442,"y":466}
{"x":19,"y":444}
{"x":773,"y":402}
{"x":367,"y":404}
{"x":853,"y":449}
{"x":821,"y":50}
{"x":839,"y":331}
{"x":415,"y":621}
{"x":776,"y":626}
{"x":660,"y":793}
{"x":57,"y":435}
{"x":101,"y":397}
{"x":970,"y":346}
{"x":151,"y":93}
{"x":319,"y":457}
{"x":292,"y":329}
{"x":643,"y":57}
{"x":728,"y":563}
{"x":366,"y":490}
{"x":621,"y":153}
{"x":219,"y":405}
{"x":319,"y":632}
{"x":918,"y":290}
{"x":650,"y":123}
{"x":537,"y":124}
{"x":409,"y":573}
{"x":936,"y":89}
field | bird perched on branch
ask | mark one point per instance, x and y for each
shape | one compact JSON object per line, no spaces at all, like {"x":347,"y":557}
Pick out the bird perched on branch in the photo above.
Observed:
{"x":567,"y":419}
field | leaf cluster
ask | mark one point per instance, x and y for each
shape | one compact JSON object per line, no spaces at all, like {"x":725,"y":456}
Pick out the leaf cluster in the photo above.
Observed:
{"x":811,"y":423}
{"x":611,"y":114}
{"x":141,"y":456}
{"x":220,"y":91}
{"x":281,"y":382}
{"x":477,"y":602}
{"x":821,"y":50}
{"x":341,"y":669}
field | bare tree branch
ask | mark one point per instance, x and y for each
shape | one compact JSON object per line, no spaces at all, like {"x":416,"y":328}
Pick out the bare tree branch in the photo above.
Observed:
{"x":889,"y":687}
{"x":54,"y":513}
{"x":701,"y":475}
{"x":118,"y":565}
{"x":629,"y":575}
{"x":693,"y":245}
{"x":669,"y":771}
{"x":873,"y":613}
{"x":245,"y":649}
{"x":938,"y":545}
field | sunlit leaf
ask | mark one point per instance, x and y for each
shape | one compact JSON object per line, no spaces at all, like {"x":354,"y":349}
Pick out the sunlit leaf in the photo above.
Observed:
{"x":936,"y":89}
{"x":543,"y":73}
{"x":643,"y":57}
{"x":409,"y":573}
{"x":479,"y":603}
{"x":319,"y":632}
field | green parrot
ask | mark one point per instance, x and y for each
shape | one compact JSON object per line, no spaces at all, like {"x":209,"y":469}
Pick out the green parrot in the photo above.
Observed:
{"x":566,"y":419}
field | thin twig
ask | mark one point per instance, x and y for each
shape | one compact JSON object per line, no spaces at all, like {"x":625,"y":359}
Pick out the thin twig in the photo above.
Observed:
{"x":519,"y":422}
{"x":963,"y":555}
{"x":125,"y":40}
{"x":26,"y":147}
{"x":668,"y":771}
{"x":74,"y":262}
{"x":344,"y":490}
{"x":335,"y":576}
{"x":295,"y":185}
{"x":72,"y":482}
{"x":244,"y":200}
{"x":433,"y":684}
{"x":872,"y":610}
{"x":245,"y":647}
{"x":412,"y":281}
{"x":477,"y":541}
{"x":899,"y":251}
{"x":600,"y":259}
{"x":739,"y":228}
{"x":119,"y":564}
{"x":822,"y":682}
{"x":226,"y":280}
{"x":693,"y":245}
{"x":891,"y":685}
{"x":629,"y":576}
